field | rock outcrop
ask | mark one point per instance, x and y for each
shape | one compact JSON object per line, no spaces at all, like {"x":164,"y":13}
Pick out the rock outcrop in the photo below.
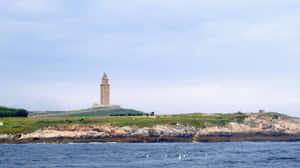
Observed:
{"x":253,"y":128}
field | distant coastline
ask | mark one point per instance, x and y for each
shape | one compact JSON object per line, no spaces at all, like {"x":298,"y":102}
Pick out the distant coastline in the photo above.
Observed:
{"x":195,"y":127}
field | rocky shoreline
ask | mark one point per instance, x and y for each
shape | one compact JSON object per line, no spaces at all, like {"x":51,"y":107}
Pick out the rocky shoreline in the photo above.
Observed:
{"x":152,"y":139}
{"x":253,"y":128}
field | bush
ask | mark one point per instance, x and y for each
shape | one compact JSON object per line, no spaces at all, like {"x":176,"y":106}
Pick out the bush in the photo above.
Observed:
{"x":127,"y":114}
{"x":119,"y":114}
{"x":275,"y":116}
{"x":9,"y":112}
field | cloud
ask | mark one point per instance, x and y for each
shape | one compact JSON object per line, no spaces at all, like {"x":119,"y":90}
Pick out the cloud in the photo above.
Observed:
{"x":152,"y":42}
{"x":182,"y":9}
{"x":30,"y":6}
{"x":281,"y":30}
{"x":197,"y":96}
{"x":220,"y":96}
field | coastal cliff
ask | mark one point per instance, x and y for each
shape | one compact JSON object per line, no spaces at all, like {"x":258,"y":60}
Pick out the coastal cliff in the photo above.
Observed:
{"x":253,"y":127}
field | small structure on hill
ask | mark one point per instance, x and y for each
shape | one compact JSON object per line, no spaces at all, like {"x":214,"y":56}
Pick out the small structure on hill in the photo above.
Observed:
{"x":104,"y":94}
{"x":152,"y":114}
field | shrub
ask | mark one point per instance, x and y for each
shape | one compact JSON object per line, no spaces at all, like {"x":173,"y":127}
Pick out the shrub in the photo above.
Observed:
{"x":9,"y":112}
{"x":275,"y":116}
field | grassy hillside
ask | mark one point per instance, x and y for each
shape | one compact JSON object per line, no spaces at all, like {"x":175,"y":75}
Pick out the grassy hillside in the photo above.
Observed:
{"x":25,"y":125}
{"x":11,"y":112}
{"x":101,"y":111}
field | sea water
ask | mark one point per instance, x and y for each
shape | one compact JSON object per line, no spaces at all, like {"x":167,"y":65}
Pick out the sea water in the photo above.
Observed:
{"x":151,"y":155}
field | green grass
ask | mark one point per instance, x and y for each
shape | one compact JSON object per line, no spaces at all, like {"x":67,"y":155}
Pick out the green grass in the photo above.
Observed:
{"x":274,"y":115}
{"x":26,"y":125}
{"x":102,"y":111}
{"x":114,"y":112}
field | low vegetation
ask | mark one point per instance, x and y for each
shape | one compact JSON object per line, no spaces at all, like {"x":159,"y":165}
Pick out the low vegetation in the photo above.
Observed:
{"x":26,"y":125}
{"x":91,"y":112}
{"x":274,"y":115}
{"x":11,"y":112}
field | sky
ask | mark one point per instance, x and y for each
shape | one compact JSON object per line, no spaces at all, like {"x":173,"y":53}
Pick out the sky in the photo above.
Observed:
{"x":166,"y":56}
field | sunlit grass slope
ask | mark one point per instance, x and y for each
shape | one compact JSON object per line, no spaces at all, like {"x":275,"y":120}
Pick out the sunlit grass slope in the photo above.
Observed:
{"x":26,"y":125}
{"x":104,"y":111}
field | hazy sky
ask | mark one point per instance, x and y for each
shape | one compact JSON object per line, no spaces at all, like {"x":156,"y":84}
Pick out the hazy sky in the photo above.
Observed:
{"x":167,"y":56}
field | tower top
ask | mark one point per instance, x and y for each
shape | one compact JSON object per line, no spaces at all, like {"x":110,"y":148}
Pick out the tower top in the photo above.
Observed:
{"x":104,"y":79}
{"x":104,"y":75}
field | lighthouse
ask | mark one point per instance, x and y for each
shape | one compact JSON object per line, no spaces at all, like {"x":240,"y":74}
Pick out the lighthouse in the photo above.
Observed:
{"x":105,"y":91}
{"x":105,"y":94}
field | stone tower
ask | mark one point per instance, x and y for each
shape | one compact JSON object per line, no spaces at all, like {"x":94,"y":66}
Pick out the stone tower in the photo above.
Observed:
{"x":105,"y":94}
{"x":105,"y":91}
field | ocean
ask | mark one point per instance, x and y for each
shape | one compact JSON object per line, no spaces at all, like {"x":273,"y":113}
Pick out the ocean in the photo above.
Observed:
{"x":152,"y":155}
